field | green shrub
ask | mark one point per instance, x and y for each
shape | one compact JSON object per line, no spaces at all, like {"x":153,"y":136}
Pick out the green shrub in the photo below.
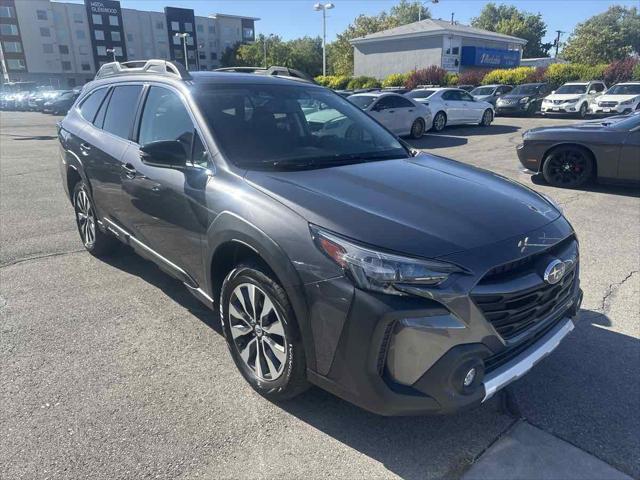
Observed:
{"x":451,"y":79}
{"x":509,"y":76}
{"x":395,"y":80}
{"x":591,"y":72}
{"x":432,"y":75}
{"x":363,"y":82}
{"x":323,"y":80}
{"x":635,"y":75}
{"x":339,"y":82}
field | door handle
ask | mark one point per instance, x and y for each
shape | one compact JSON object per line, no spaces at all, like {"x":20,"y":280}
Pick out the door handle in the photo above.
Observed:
{"x":129,"y":170}
{"x":391,"y":111}
{"x":411,"y":109}
{"x":85,"y":146}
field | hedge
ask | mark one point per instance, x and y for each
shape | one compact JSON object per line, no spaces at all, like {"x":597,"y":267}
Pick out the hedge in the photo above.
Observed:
{"x":432,"y":75}
{"x":395,"y":80}
{"x":363,"y":82}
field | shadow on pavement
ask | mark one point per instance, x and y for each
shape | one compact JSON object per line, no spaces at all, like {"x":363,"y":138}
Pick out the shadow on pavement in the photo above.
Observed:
{"x":611,"y":189}
{"x":588,"y":393}
{"x":476,"y":130}
{"x":437,"y":141}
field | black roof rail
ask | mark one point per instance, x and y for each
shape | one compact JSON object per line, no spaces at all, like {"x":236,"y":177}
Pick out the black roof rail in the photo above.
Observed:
{"x":135,"y":67}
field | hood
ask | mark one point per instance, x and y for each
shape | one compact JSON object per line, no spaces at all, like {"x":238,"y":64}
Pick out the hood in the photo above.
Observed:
{"x":583,"y":127}
{"x":482,"y":98}
{"x":563,"y":96}
{"x":616,"y":98}
{"x":517,"y":96}
{"x":425,"y":206}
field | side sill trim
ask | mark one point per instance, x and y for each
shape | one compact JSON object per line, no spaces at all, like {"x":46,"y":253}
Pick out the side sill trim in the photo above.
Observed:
{"x":519,"y":366}
{"x":130,"y":239}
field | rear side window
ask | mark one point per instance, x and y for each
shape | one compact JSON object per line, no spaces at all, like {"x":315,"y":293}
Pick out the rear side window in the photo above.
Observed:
{"x":121,"y":110}
{"x":399,"y":102}
{"x":91,"y":104}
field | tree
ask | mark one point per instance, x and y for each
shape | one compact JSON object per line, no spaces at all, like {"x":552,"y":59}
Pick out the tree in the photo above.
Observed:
{"x":340,"y":52}
{"x":229,"y":56}
{"x":612,"y":35}
{"x":508,"y":20}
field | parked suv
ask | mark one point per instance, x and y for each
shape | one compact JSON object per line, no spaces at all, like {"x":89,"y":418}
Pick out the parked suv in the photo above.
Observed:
{"x":403,"y":282}
{"x":621,"y":98}
{"x":573,"y":98}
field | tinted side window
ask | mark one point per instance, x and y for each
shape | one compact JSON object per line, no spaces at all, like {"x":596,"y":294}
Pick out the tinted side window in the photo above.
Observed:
{"x":598,"y":87}
{"x":384,"y":103}
{"x":91,"y":104}
{"x":165,"y":118}
{"x":399,"y":102}
{"x":466,"y":97}
{"x":99,"y":120}
{"x":121,"y":110}
{"x":451,"y":95}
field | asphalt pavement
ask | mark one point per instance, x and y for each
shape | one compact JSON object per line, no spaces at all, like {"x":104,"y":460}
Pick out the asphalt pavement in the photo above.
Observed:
{"x":111,"y":369}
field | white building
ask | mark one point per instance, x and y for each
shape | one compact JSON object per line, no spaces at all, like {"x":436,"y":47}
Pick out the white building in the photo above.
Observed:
{"x":62,"y":44}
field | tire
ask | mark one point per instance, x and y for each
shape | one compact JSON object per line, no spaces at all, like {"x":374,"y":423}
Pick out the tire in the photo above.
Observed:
{"x":568,"y":167}
{"x":95,"y":241}
{"x":531,"y":110}
{"x":439,"y":121}
{"x":487,"y":118}
{"x":582,"y":113}
{"x":280,"y":374}
{"x":417,"y":129}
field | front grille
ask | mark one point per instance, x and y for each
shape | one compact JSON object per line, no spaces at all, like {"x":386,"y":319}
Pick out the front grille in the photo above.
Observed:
{"x":514,"y":313}
{"x":558,"y":102}
{"x":608,"y":104}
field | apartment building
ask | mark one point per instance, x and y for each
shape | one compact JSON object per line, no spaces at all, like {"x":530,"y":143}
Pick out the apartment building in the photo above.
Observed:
{"x":63,"y":44}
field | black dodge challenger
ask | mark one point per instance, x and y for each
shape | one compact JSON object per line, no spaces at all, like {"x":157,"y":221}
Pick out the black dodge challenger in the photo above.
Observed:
{"x":569,"y":156}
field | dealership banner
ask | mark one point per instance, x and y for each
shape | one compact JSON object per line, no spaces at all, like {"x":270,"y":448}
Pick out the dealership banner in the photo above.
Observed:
{"x":489,"y":57}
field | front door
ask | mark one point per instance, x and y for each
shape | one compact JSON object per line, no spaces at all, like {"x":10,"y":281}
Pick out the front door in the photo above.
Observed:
{"x":629,"y":166}
{"x":167,"y":206}
{"x":385,"y":112}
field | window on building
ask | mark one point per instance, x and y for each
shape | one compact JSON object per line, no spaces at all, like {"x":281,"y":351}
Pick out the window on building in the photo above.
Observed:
{"x":113,"y":21}
{"x":41,"y":14}
{"x":188,"y":27}
{"x":101,"y":50}
{"x":85,"y":67}
{"x":214,"y":56}
{"x":202,"y":55}
{"x":45,"y":32}
{"x":175,"y":26}
{"x":177,"y":41}
{"x":12,"y":47}
{"x":63,"y":49}
{"x":247,"y":33}
{"x":7,"y":12}
{"x":160,"y":25}
{"x":66,"y":66}
{"x":118,"y":51}
{"x":83,"y":50}
{"x":77,"y":18}
{"x":97,"y":19}
{"x":191,"y":54}
{"x":189,"y":40}
{"x":15,"y":64}
{"x":121,"y":110}
{"x":115,"y":36}
{"x":47,"y":48}
{"x":200,"y":28}
{"x":178,"y":54}
{"x":8,"y":29}
{"x":212,"y":29}
{"x":99,"y":34}
{"x":90,"y":105}
{"x":80,"y":35}
{"x":129,"y":37}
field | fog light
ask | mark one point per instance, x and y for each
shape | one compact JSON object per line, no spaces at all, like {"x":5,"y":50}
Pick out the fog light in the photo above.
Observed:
{"x":469,"y":377}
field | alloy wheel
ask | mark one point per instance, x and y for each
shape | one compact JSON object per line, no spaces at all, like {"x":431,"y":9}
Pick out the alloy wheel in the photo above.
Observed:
{"x":487,"y":118}
{"x":86,"y":218}
{"x":417,"y":129}
{"x":258,"y":332}
{"x":583,"y":110}
{"x":439,"y":122}
{"x":568,"y":168}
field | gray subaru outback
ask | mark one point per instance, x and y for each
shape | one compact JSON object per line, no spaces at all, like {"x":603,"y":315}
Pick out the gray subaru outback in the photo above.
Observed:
{"x":403,"y":282}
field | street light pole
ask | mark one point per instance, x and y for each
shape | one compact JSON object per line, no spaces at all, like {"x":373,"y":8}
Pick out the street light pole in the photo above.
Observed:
{"x":5,"y":72}
{"x":559,"y":32}
{"x":324,"y":7}
{"x":184,"y":37}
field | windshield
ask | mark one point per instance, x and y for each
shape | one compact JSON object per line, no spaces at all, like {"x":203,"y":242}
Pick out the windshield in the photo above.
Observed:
{"x":624,"y":90}
{"x":483,"y":91}
{"x":572,"y":89}
{"x":362,"y":101}
{"x":269,"y":126}
{"x":420,"y":93}
{"x":526,"y":90}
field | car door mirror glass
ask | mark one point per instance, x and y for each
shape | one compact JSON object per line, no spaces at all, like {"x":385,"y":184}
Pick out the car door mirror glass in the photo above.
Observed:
{"x":164,"y":153}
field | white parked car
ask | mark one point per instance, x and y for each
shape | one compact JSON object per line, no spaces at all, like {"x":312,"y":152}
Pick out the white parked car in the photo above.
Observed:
{"x":401,"y":115}
{"x":621,"y":98}
{"x":453,"y":106}
{"x":573,"y":98}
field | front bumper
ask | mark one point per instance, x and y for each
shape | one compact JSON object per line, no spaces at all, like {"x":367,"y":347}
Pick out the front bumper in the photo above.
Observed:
{"x":512,"y":108}
{"x":560,"y":109}
{"x":613,"y":110}
{"x":409,"y":355}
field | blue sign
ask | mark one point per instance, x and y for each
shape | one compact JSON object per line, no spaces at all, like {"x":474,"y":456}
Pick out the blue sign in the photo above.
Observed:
{"x":489,"y":57}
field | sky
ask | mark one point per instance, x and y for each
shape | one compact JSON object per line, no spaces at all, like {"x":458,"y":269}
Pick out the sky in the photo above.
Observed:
{"x":296,"y":18}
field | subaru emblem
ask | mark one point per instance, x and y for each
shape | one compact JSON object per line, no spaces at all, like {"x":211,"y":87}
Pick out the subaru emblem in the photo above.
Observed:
{"x":554,"y":272}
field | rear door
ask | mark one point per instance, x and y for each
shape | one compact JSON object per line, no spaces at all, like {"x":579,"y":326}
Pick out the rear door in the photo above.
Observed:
{"x":471,"y":110}
{"x":166,"y":207}
{"x":453,"y":106}
{"x":405,"y":112}
{"x":106,"y":141}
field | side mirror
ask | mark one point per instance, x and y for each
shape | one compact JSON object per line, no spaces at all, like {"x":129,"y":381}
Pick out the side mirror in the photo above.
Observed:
{"x":592,"y":92}
{"x":552,"y":92}
{"x":164,"y":153}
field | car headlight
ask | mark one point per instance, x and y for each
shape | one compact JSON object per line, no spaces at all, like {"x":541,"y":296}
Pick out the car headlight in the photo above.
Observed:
{"x":572,"y":100}
{"x":524,"y":100}
{"x":555,"y":204}
{"x":628,"y":102}
{"x":380,"y":271}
